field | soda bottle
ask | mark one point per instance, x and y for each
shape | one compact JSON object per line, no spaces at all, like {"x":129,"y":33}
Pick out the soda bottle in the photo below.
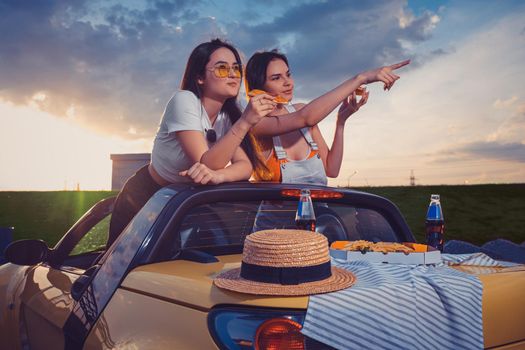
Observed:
{"x":305,"y":216}
{"x":435,"y":223}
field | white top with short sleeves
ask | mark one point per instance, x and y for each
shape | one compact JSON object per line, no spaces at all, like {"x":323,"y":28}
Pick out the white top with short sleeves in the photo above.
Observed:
{"x":184,"y":111}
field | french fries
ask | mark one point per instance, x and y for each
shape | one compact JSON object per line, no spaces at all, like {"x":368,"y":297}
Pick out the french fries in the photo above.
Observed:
{"x":277,"y":99}
{"x":367,"y":246}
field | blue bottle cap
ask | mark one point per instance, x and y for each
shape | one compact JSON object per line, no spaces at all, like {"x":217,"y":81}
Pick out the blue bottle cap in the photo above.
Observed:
{"x":434,"y":212}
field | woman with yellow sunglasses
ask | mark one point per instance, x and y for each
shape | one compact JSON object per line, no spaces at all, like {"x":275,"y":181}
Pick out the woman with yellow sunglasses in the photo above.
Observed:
{"x":201,"y":134}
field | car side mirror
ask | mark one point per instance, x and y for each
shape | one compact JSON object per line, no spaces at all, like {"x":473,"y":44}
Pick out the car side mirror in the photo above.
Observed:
{"x":82,"y":282}
{"x":27,"y":252}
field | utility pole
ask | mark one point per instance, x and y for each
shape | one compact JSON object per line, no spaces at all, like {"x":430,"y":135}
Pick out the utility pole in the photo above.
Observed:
{"x":355,"y":172}
{"x":412,"y":178}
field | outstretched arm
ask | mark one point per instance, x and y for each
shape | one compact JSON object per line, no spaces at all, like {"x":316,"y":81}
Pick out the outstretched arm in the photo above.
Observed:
{"x":319,"y":108}
{"x":333,"y":157}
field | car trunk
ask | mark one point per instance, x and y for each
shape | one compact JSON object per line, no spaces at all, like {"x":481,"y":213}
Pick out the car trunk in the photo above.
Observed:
{"x":190,"y":284}
{"x":503,"y":303}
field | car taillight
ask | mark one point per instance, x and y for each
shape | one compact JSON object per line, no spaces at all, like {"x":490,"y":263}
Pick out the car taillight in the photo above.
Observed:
{"x":256,"y":328}
{"x":313,"y":193}
{"x":279,"y":333}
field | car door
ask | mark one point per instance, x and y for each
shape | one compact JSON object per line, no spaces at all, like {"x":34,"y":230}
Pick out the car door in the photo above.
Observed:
{"x":45,"y":305}
{"x":46,"y":301}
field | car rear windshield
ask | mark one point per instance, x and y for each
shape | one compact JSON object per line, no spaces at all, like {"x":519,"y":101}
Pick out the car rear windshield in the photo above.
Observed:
{"x":221,"y":227}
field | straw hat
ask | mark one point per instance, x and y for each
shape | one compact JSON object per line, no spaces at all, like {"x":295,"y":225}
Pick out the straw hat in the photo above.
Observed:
{"x":285,"y":262}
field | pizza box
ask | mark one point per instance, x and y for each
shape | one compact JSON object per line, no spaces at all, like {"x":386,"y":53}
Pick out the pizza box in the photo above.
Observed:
{"x":423,"y":254}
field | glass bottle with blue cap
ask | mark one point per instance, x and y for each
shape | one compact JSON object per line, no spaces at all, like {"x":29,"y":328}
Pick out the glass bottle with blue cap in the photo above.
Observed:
{"x":435,"y":223}
{"x":305,"y":216}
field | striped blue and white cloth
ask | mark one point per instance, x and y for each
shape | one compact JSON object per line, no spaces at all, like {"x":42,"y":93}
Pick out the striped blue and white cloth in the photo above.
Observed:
{"x":474,"y":259}
{"x":399,"y":307}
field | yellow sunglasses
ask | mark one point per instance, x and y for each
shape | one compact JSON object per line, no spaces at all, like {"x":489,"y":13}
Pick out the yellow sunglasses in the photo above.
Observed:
{"x":222,"y":70}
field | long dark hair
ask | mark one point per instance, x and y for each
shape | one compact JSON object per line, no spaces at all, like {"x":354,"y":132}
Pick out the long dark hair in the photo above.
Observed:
{"x":257,"y":65}
{"x":196,"y":69}
{"x":255,"y":79}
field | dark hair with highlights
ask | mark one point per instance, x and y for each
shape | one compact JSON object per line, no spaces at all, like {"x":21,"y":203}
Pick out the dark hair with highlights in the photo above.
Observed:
{"x":196,"y":69}
{"x":257,"y":65}
{"x":255,"y":79}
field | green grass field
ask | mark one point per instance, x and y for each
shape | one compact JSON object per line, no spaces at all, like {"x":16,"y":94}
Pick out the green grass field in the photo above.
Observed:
{"x":475,"y":214}
{"x":45,"y":215}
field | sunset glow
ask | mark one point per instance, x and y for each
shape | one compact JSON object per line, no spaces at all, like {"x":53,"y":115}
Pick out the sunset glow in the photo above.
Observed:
{"x":43,"y":152}
{"x":77,"y":85}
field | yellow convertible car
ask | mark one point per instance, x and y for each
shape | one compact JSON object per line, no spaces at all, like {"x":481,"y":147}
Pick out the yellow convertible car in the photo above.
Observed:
{"x":153,"y":287}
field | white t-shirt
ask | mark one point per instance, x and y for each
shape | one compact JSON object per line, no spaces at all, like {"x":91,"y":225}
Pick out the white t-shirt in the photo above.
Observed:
{"x":184,"y":111}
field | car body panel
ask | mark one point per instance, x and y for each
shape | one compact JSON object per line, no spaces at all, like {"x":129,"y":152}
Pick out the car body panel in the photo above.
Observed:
{"x":42,"y":296}
{"x":127,"y":323}
{"x":46,"y":304}
{"x":503,"y":305}
{"x":191,"y":284}
{"x":514,"y":346}
{"x":12,"y":281}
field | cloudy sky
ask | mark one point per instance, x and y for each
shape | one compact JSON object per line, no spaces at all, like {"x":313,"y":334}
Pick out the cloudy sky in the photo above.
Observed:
{"x":80,"y":80}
